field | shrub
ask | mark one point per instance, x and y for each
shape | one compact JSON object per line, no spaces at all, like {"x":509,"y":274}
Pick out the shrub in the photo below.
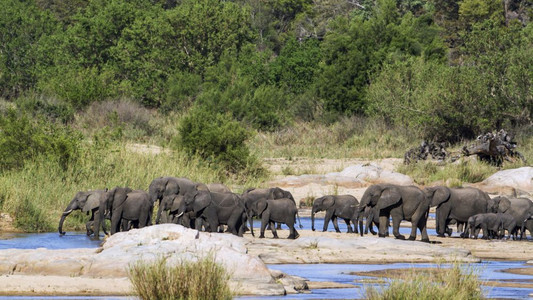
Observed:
{"x":215,"y":137}
{"x":30,"y":217}
{"x":457,"y":282}
{"x":202,"y":279}
{"x":22,"y":139}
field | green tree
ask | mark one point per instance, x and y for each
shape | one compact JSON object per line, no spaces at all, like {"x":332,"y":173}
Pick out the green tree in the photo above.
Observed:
{"x":22,"y":25}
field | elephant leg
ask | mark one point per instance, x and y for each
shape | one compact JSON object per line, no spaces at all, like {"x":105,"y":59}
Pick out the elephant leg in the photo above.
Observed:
{"x":485,"y":229}
{"x":422,"y":225}
{"x":383,"y":228}
{"x":335,"y":224}
{"x":273,"y":229}
{"x":89,"y":227}
{"x":278,"y":226}
{"x":327,"y":218}
{"x":264,"y":222}
{"x":396,"y":228}
{"x":293,"y":232}
{"x":442,"y":216}
{"x":349,"y":226}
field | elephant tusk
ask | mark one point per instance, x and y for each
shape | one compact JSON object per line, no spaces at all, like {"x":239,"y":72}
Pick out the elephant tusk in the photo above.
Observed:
{"x":180,"y":214}
{"x":67,"y":212}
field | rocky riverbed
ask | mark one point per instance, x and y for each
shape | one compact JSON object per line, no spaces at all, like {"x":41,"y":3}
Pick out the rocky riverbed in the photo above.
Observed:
{"x":103,"y":271}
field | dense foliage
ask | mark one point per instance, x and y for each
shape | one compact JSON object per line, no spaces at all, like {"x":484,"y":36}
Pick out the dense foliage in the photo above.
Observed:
{"x":446,"y":70}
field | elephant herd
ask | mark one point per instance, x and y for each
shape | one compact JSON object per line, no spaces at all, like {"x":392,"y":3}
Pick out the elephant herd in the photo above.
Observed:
{"x":212,"y":207}
{"x":462,"y":206}
{"x":182,"y":201}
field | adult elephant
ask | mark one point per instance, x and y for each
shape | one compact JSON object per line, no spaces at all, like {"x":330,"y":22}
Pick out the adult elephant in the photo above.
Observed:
{"x":253,"y":195}
{"x":216,"y":209}
{"x":336,"y":206}
{"x":163,"y":189}
{"x":520,"y":209}
{"x":86,"y":201}
{"x":459,"y":204}
{"x":125,"y":207}
{"x":401,"y":203}
{"x":275,"y":210}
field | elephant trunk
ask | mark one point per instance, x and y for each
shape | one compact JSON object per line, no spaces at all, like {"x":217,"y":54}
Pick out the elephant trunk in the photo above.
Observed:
{"x":159,"y":210}
{"x":251,"y":221}
{"x":313,"y":219}
{"x":360,"y":219}
{"x":63,"y":216}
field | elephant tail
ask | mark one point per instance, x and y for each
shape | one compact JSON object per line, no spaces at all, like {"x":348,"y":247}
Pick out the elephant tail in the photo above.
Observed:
{"x":299,"y":222}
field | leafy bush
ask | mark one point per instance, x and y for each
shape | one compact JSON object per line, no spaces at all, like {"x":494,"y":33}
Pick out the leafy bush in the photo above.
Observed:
{"x":30,"y":217}
{"x":202,"y":279}
{"x":22,"y":139}
{"x":216,"y":137}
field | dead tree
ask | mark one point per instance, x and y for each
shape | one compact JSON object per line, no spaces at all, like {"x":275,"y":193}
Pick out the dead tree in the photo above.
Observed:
{"x":494,"y":148}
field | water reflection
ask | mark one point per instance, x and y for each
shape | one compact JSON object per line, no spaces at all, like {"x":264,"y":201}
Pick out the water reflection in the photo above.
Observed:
{"x":48,"y":240}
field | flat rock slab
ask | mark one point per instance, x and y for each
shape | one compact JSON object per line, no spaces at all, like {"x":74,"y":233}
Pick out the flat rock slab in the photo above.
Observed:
{"x":508,"y":182}
{"x":248,"y":274}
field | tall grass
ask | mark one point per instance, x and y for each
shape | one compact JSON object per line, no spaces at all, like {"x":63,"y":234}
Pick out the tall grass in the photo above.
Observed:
{"x":455,"y":283}
{"x":355,"y":137}
{"x":203,"y":279}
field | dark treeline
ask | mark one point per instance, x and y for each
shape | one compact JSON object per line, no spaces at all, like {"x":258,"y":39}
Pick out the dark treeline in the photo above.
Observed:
{"x":446,"y":69}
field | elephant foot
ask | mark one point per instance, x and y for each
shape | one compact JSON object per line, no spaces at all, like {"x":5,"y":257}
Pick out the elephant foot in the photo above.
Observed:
{"x":485,"y":238}
{"x":262,"y":236}
{"x":441,"y":235}
{"x":449,"y":232}
{"x":399,"y":237}
{"x":425,"y":241}
{"x":412,"y":238}
{"x":338,"y":231}
{"x":312,"y":229}
{"x":276,"y":237}
{"x":382,"y":235}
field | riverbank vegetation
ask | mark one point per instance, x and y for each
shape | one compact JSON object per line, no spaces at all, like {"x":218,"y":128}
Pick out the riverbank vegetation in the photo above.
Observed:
{"x":454,"y":282}
{"x":187,"y":280}
{"x":222,"y":85}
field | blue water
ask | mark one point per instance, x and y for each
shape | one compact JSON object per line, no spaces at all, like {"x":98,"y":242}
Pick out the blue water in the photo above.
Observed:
{"x":48,"y":240}
{"x":488,"y":271}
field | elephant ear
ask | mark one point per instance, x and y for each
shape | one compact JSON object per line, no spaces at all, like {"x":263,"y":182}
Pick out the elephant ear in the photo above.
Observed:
{"x":176,"y":203}
{"x":201,"y":201}
{"x":201,"y":187}
{"x":328,"y":202}
{"x":260,"y":206}
{"x":504,"y":205}
{"x":93,"y":201}
{"x":441,"y":195}
{"x":389,"y":196}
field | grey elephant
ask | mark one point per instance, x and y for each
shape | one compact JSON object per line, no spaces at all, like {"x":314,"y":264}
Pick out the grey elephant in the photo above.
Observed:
{"x":86,"y":201}
{"x":493,"y":225}
{"x":125,"y":207}
{"x":336,"y":206}
{"x":520,"y":208}
{"x":274,"y":210}
{"x":401,"y":203}
{"x":163,"y":189}
{"x":252,"y":195}
{"x":371,"y":214}
{"x":459,"y":204}
{"x":527,"y":225}
{"x":216,"y":209}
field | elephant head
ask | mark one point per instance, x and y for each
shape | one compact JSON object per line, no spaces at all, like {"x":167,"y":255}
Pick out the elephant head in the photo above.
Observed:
{"x":321,"y":204}
{"x":498,"y":204}
{"x":84,"y":201}
{"x":378,"y":197}
{"x":437,"y":194}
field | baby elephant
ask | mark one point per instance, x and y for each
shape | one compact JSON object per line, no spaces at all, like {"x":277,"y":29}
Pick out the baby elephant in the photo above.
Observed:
{"x":493,"y":225}
{"x":279,"y":210}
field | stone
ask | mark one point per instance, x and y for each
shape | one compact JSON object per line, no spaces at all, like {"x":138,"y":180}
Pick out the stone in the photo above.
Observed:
{"x":514,"y":182}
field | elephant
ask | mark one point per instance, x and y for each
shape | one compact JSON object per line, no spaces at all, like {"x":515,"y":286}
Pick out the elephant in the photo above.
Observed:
{"x":492,"y":224}
{"x":252,"y":195}
{"x":527,"y":225}
{"x":336,"y":206}
{"x":163,"y":189}
{"x":126,"y":207}
{"x":520,"y":208}
{"x":399,"y":202}
{"x":282,"y":210}
{"x":216,"y":209}
{"x":459,"y":204}
{"x":87,"y":202}
{"x":372,"y":218}
{"x":218,"y":188}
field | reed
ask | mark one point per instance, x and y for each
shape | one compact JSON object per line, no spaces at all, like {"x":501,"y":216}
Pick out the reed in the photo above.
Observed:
{"x":202,"y":279}
{"x":456,"y":282}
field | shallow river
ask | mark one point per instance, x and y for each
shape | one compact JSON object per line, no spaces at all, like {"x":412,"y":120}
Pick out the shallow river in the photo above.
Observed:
{"x":489,"y":270}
